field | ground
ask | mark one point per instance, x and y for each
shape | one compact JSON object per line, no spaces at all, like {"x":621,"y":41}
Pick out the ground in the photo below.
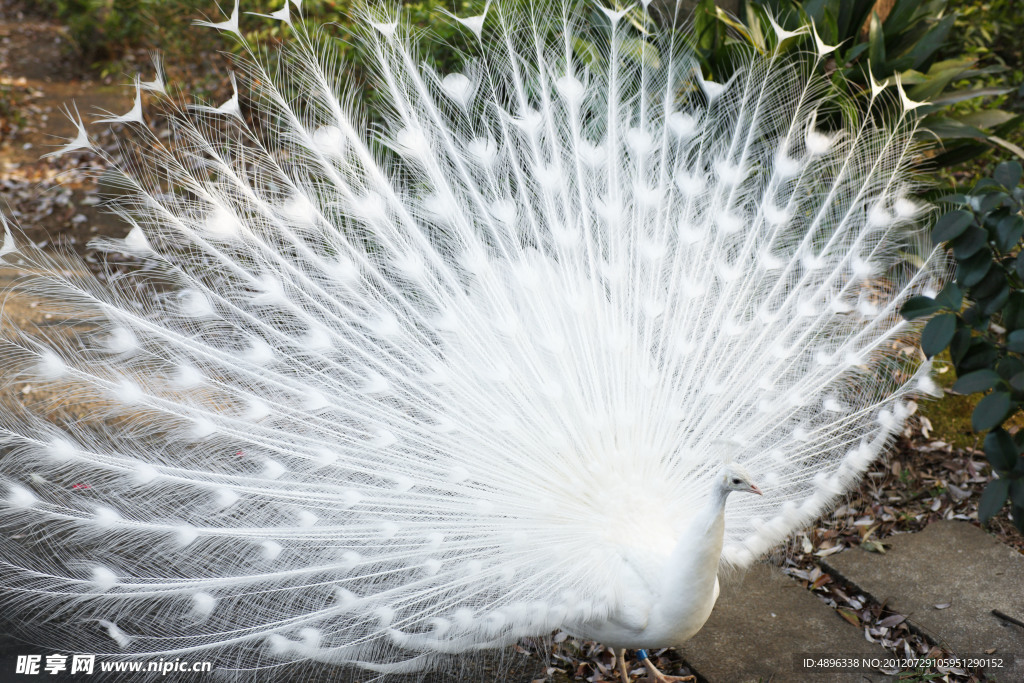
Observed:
{"x":52,"y":199}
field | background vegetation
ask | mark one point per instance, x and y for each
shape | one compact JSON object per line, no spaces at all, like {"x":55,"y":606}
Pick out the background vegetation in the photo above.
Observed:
{"x":963,"y":56}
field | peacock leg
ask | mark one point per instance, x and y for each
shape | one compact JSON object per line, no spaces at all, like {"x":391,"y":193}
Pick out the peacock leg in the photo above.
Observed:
{"x":656,"y":675}
{"x":621,"y":661}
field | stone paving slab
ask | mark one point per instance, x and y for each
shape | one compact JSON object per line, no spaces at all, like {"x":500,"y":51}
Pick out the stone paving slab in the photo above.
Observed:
{"x":953,"y":563}
{"x":763,"y":620}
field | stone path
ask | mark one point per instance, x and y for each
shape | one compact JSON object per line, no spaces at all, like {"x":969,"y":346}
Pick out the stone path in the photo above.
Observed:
{"x":764,"y":620}
{"x":948,"y":580}
{"x":763,"y":626}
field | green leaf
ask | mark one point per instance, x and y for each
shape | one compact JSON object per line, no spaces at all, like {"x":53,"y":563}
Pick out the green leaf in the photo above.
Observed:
{"x":1009,"y":231}
{"x":967,"y":94}
{"x":980,"y":354}
{"x":995,"y":303}
{"x":815,"y":10}
{"x":587,"y":52}
{"x":937,"y":334}
{"x":934,"y":83}
{"x":873,"y":546}
{"x":959,"y":346}
{"x":972,"y":317}
{"x":850,"y":16}
{"x":1017,"y":381}
{"x":992,"y":499}
{"x":1013,"y":314}
{"x":991,"y":200}
{"x":946,"y":128}
{"x":1000,"y":450}
{"x":1006,"y":144}
{"x":969,"y":242}
{"x":1015,"y":341}
{"x":987,"y":118}
{"x":642,"y":51}
{"x":951,"y":225}
{"x":973,"y":269}
{"x":950,"y":297}
{"x":984,"y":184}
{"x":989,"y":285}
{"x":929,"y":86}
{"x":899,"y":17}
{"x":855,"y":51}
{"x":849,"y":615}
{"x":932,"y":41}
{"x":1017,"y":493}
{"x":1008,"y":174}
{"x":1009,"y":366}
{"x":979,"y":380}
{"x":957,"y":153}
{"x":876,"y":39}
{"x":918,"y":307}
{"x":990,"y":411}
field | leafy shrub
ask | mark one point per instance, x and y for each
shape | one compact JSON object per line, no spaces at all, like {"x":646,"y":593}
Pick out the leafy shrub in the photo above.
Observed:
{"x":912,"y":44}
{"x":989,"y":31}
{"x":985,"y":336}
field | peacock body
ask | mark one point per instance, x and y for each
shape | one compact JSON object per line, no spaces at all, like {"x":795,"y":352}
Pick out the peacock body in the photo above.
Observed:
{"x":383,"y":395}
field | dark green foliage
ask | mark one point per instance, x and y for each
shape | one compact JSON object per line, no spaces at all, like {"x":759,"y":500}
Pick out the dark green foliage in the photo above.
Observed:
{"x":993,"y":498}
{"x":951,"y":225}
{"x":991,"y":411}
{"x":973,"y":382}
{"x":914,"y":45}
{"x":985,"y":335}
{"x":938,"y":333}
{"x":919,"y":306}
{"x":918,"y":42}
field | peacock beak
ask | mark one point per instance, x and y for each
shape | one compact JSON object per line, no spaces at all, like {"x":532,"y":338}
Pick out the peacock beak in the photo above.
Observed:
{"x":754,"y":489}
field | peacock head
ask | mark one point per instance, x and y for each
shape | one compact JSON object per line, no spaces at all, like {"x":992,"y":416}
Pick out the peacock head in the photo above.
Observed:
{"x":735,"y":478}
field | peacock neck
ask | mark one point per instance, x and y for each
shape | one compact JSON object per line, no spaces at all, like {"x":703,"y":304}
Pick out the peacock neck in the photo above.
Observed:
{"x":712,"y":517}
{"x":695,"y":559}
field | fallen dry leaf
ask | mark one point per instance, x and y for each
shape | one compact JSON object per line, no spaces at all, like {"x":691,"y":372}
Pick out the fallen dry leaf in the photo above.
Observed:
{"x":849,"y":615}
{"x":873,"y":546}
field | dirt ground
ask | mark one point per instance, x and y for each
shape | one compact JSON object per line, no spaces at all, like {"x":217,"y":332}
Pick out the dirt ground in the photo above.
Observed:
{"x":53,"y":199}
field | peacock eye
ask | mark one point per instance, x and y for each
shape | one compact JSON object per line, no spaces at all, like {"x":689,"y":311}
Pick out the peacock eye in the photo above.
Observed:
{"x":736,"y":481}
